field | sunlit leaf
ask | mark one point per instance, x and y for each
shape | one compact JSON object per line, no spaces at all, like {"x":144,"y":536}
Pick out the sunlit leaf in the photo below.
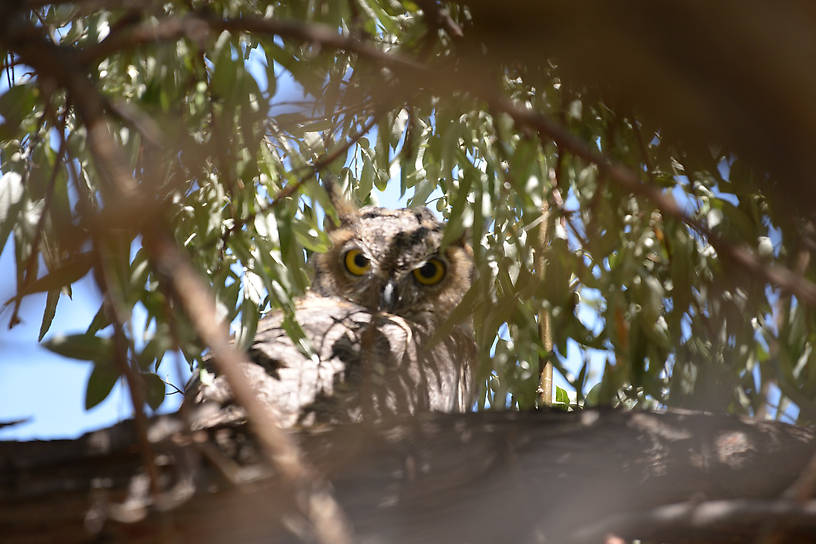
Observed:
{"x":11,"y":194}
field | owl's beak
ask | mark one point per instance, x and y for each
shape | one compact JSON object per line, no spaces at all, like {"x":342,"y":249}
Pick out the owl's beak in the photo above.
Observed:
{"x":389,"y":297}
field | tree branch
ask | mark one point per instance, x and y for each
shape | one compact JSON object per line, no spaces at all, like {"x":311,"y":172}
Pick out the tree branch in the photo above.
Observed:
{"x":704,"y":519}
{"x":198,"y":27}
{"x":630,"y":181}
{"x":445,"y":478}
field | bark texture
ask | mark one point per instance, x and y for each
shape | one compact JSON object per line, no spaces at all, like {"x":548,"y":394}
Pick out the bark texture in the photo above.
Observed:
{"x":431,"y":478}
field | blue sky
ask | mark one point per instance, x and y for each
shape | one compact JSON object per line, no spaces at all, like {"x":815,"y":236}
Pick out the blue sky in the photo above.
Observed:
{"x":37,"y":384}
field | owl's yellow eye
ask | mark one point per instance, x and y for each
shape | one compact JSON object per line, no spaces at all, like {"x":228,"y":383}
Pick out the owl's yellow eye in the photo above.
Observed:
{"x":431,"y":272}
{"x":356,"y":263}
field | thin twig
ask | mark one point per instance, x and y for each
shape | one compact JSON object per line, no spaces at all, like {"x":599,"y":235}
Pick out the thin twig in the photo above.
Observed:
{"x":439,"y":17}
{"x":30,"y":265}
{"x":134,"y":383}
{"x":545,"y":333}
{"x":292,"y":188}
{"x":122,"y":347}
{"x":176,"y":389}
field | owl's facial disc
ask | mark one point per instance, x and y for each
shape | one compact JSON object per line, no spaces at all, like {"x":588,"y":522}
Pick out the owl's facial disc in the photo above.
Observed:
{"x":391,"y":261}
{"x":388,"y":284}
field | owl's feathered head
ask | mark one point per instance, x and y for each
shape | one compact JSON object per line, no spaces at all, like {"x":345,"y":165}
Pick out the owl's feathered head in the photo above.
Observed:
{"x":391,"y":261}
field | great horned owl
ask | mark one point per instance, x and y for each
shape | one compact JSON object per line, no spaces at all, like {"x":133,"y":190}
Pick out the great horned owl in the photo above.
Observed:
{"x":379,"y":295}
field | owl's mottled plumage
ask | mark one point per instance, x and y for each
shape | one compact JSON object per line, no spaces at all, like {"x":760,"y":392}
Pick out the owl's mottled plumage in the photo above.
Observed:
{"x":380,"y":293}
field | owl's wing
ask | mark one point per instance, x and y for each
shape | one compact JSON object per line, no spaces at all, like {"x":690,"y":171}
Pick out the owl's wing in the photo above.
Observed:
{"x":295,"y":385}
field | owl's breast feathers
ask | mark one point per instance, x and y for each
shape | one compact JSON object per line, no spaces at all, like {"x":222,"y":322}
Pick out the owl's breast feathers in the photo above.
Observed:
{"x":363,"y":366}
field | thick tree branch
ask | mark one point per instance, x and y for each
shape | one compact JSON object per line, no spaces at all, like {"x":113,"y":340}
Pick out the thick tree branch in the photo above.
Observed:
{"x":705,"y":519}
{"x":447,"y":478}
{"x":199,"y":27}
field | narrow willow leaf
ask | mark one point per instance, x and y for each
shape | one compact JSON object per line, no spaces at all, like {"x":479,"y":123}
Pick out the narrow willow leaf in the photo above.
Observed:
{"x":249,"y":323}
{"x":99,"y":322}
{"x":11,"y":195}
{"x":48,"y":314}
{"x":65,"y":275}
{"x":15,"y":105}
{"x":83,"y":347}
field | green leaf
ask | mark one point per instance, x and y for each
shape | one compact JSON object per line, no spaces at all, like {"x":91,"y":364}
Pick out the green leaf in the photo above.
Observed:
{"x":65,"y":275}
{"x":15,"y":105}
{"x":83,"y":347}
{"x":99,"y":322}
{"x":249,"y":323}
{"x":11,"y":199}
{"x":48,"y":314}
{"x":593,"y":396}
{"x":154,"y":390}
{"x":367,"y":177}
{"x":225,"y":69}
{"x":310,"y":238}
{"x":100,"y":383}
{"x":374,"y":9}
{"x":155,"y":348}
{"x":561,"y":396}
{"x":271,"y":77}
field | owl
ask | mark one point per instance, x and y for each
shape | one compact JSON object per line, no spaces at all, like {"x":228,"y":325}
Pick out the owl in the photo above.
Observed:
{"x":377,"y":320}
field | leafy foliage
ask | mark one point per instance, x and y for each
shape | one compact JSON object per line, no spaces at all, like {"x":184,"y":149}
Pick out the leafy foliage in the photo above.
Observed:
{"x":228,"y":126}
